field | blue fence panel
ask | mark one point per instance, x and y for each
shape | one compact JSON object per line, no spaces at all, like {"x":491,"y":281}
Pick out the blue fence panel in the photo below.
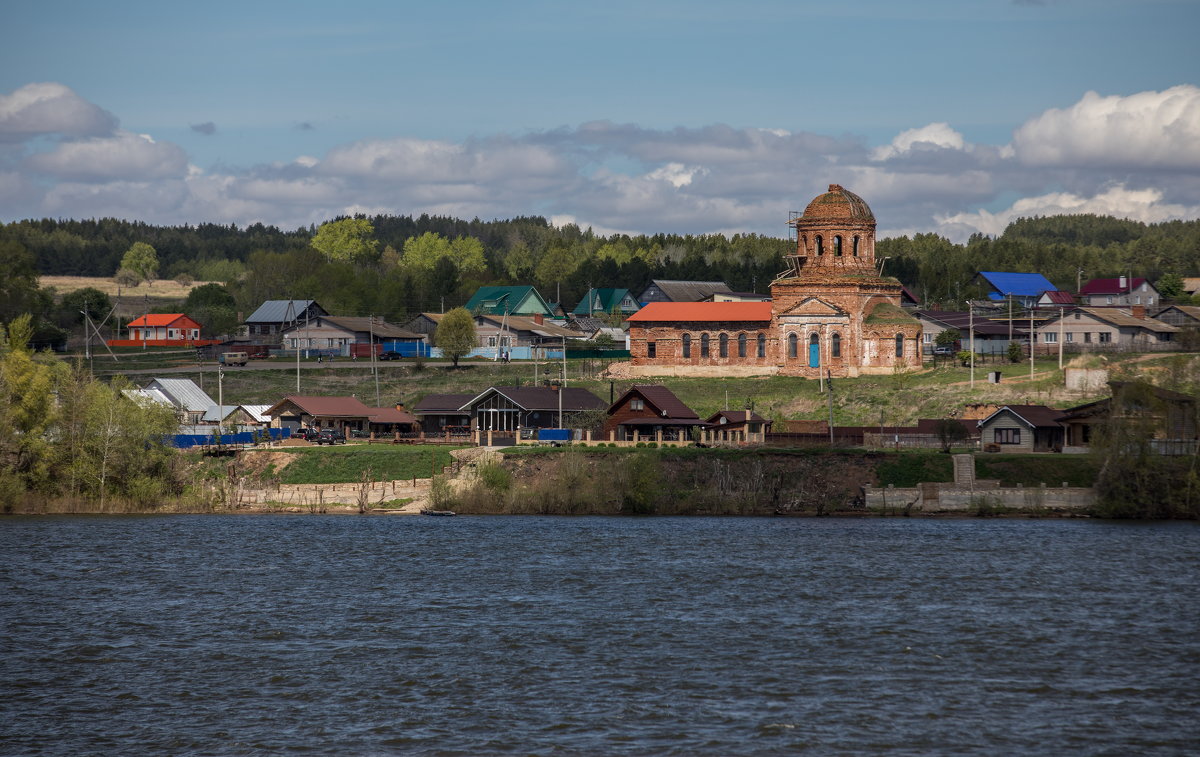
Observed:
{"x":408,"y":349}
{"x":554,"y":434}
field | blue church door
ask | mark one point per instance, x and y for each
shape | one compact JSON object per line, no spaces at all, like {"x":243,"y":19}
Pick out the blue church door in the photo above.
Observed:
{"x":814,"y":352}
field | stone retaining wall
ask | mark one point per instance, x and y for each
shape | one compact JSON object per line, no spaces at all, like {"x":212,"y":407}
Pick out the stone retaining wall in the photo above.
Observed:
{"x":949,"y":497}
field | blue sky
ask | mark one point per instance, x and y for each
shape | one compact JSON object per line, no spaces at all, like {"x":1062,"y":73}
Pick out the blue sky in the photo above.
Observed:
{"x":947,"y":116}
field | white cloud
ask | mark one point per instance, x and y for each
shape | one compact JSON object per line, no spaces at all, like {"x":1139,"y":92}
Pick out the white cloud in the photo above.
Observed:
{"x":1144,"y":130}
{"x":1144,"y":205}
{"x":931,"y":136}
{"x":123,"y":157}
{"x":676,"y":174}
{"x":50,"y":108}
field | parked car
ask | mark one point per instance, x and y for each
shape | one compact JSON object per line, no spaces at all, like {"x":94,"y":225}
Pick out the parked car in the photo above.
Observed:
{"x":331,"y":436}
{"x":233,"y":358}
{"x":944,"y":349}
{"x":311,"y":434}
{"x":389,"y":355}
{"x":358,"y":433}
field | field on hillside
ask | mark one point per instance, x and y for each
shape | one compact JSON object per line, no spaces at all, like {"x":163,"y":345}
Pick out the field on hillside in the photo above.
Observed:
{"x":159,"y":289}
{"x":891,"y":400}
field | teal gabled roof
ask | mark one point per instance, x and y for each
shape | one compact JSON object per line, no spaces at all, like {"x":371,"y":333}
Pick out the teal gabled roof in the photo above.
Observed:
{"x":513,"y":300}
{"x":606,"y":301}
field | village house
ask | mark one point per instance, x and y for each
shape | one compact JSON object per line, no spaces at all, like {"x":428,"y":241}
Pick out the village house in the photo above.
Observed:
{"x":439,"y":412}
{"x":649,"y":412}
{"x":504,"y":333}
{"x":507,"y":409}
{"x":737,"y":297}
{"x":1121,"y":292}
{"x":189,"y":400}
{"x":1088,"y":328}
{"x":1022,"y":428}
{"x":668,"y":290}
{"x":345,"y":414}
{"x":162,"y":330}
{"x":601,"y":302}
{"x":337,"y":335}
{"x":992,"y":336}
{"x":1019,"y":290}
{"x":1180,"y":316}
{"x":830,"y":314}
{"x":508,"y":300}
{"x":273,"y":317}
{"x":738,"y":426}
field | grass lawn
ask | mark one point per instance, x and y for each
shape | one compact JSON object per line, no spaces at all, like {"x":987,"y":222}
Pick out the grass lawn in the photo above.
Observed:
{"x":338,"y":465}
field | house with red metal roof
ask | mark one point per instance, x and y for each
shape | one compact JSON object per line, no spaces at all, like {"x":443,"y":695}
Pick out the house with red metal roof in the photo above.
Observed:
{"x":162,"y":330}
{"x":1121,"y":291}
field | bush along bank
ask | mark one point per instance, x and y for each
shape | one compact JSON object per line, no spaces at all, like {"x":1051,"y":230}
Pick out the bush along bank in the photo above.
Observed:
{"x":600,"y":481}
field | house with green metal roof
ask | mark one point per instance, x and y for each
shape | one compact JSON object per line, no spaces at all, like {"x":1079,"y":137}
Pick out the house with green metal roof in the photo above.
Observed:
{"x":606,"y":301}
{"x":510,"y":300}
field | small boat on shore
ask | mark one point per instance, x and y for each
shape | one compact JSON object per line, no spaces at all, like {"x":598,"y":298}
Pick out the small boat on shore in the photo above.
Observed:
{"x":437,"y":512}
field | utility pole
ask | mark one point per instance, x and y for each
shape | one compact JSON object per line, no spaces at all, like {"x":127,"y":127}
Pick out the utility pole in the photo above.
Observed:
{"x":563,"y":386}
{"x":971,"y":337}
{"x":830,"y":376}
{"x":374,"y":368}
{"x":1032,"y":336}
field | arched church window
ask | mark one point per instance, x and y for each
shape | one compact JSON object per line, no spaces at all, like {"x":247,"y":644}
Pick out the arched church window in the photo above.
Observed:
{"x":704,"y":345}
{"x":723,"y":345}
{"x":742,"y":345}
{"x":856,"y":246}
{"x":762,"y":345}
{"x":835,"y":345}
{"x":820,"y":245}
{"x":687,"y":345}
{"x":793,"y":345}
{"x":837,"y":246}
{"x":899,"y":345}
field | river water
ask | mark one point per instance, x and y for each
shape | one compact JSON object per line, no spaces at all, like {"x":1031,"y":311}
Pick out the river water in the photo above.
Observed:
{"x":260,"y":635}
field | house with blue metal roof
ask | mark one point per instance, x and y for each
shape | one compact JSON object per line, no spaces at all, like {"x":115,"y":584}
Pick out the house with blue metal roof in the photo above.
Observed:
{"x":1023,"y":289}
{"x":508,"y":300}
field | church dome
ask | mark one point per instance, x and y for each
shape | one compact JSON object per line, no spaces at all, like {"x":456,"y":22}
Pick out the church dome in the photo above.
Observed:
{"x":838,"y":204}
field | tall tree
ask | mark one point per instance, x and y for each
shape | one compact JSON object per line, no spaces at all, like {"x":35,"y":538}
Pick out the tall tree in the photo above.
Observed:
{"x":349,"y":240}
{"x":455,"y":334}
{"x":141,"y":259}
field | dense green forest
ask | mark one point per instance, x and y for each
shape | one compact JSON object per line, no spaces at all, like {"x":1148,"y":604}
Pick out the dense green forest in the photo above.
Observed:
{"x":395,"y":266}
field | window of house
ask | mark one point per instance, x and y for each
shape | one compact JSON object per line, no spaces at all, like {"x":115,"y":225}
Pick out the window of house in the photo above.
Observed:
{"x":1087,"y":336}
{"x":837,"y":246}
{"x":651,"y":349}
{"x":1104,"y":337}
{"x":835,"y":345}
{"x":1137,"y":300}
{"x":687,"y":345}
{"x":637,"y":404}
{"x":741,"y":345}
{"x":723,"y":345}
{"x":1070,"y":336}
{"x":704,"y":345}
{"x":927,"y":337}
{"x":899,"y":345}
{"x":1109,"y":299}
{"x":820,"y":246}
{"x":792,"y":346}
{"x":1050,"y":337}
{"x":1007,"y":435}
{"x":491,"y":341}
{"x":762,"y":345}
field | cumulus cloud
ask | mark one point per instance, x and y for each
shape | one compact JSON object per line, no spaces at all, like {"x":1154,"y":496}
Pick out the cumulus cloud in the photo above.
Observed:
{"x":208,"y":128}
{"x":1144,"y":130}
{"x":933,"y":136}
{"x":1145,"y":204}
{"x":121,"y":157}
{"x":49,"y":108}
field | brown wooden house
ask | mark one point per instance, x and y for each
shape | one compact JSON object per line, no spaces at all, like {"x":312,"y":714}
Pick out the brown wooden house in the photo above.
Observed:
{"x":645,"y":410}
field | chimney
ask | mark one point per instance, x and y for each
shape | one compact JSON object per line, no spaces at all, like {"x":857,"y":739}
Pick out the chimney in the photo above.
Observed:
{"x":400,"y":406}
{"x":1121,"y":283}
{"x":1139,"y":311}
{"x":539,"y":318}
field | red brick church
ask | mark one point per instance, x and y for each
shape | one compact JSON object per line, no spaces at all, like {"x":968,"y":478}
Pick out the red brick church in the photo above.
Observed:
{"x":831,"y":313}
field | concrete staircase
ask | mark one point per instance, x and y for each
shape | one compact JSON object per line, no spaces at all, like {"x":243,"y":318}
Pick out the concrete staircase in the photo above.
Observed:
{"x":964,"y":470}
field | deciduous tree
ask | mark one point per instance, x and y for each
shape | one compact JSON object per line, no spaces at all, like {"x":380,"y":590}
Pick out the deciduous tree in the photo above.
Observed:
{"x":349,"y":240}
{"x":142,"y":260}
{"x":455,"y":334}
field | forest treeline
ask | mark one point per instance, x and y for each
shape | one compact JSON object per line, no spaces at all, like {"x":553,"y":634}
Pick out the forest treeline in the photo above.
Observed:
{"x":409,"y":264}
